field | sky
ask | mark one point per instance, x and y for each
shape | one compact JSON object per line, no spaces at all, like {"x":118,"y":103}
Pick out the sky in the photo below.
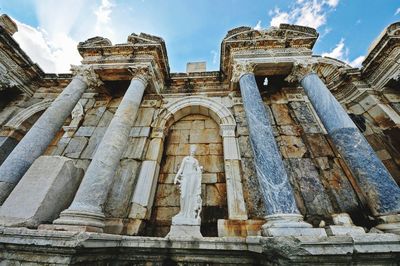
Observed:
{"x":49,"y":30}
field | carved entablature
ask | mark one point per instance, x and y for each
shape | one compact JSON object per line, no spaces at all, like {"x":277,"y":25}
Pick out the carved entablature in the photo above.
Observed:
{"x":17,"y":71}
{"x":95,"y":42}
{"x":382,"y":62}
{"x":283,"y":37}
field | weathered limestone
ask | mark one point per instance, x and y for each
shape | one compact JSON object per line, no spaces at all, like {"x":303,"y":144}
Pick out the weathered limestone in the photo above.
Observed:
{"x":343,"y":226}
{"x":283,"y":217}
{"x":86,"y":211}
{"x":43,"y":131}
{"x":46,"y":189}
{"x":189,"y":176}
{"x":381,"y":191}
{"x":236,"y":205}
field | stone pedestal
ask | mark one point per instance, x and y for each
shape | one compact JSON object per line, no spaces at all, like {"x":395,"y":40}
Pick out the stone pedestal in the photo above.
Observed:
{"x":343,"y":226}
{"x":289,"y":225}
{"x":184,"y":228}
{"x":86,"y":211}
{"x":44,"y":191}
{"x":389,"y":223}
{"x":42,"y":132}
{"x":235,"y":228}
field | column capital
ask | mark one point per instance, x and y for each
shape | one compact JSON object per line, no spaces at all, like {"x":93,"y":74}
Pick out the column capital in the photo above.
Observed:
{"x":227,"y":130}
{"x":141,"y":73}
{"x":86,"y":74}
{"x":241,"y":68}
{"x":300,"y":70}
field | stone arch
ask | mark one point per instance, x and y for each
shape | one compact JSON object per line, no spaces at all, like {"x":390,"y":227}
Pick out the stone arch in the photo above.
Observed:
{"x":194,"y":105}
{"x":19,"y":118}
{"x":144,"y":193}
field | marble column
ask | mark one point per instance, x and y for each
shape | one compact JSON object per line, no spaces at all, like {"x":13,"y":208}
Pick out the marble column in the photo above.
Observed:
{"x":380,"y":189}
{"x":44,"y":130}
{"x":283,"y":216}
{"x":86,"y":210}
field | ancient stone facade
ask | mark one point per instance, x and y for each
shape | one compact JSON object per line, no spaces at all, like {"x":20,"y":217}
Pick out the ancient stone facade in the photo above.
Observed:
{"x":300,"y":153}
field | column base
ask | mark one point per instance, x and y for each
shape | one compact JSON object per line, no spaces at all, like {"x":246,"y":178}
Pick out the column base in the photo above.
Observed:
{"x":289,"y":225}
{"x":389,"y":224}
{"x":71,"y":220}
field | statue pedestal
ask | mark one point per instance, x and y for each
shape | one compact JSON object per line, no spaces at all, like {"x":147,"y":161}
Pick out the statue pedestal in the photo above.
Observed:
{"x":184,"y":228}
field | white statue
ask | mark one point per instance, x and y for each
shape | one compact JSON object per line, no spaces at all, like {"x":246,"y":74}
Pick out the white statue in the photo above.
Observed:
{"x":189,"y":179}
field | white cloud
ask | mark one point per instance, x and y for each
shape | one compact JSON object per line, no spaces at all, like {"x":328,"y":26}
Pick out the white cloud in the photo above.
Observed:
{"x":62,"y":24}
{"x":342,"y":53}
{"x":258,"y":26}
{"x":339,"y":52}
{"x":52,"y":55}
{"x":103,"y":18}
{"x":397,"y":11}
{"x":332,"y":3}
{"x":279,"y":17}
{"x":214,"y":57}
{"x":357,"y":61}
{"x":311,"y":13}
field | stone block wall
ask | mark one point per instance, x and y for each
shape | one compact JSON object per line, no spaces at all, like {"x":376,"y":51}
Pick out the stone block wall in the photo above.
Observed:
{"x":203,"y":132}
{"x":378,"y":117}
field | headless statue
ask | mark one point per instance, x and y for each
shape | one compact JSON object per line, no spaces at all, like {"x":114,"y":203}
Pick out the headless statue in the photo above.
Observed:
{"x":189,"y":180}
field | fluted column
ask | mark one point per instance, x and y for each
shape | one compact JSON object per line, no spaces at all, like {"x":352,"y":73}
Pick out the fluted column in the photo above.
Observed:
{"x":283,"y":216}
{"x":86,"y":210}
{"x":44,"y":130}
{"x":380,"y":189}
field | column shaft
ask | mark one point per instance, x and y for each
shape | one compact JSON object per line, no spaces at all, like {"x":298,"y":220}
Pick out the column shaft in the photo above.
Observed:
{"x":381,"y":191}
{"x":87,"y":206}
{"x":274,"y":182}
{"x":39,"y":137}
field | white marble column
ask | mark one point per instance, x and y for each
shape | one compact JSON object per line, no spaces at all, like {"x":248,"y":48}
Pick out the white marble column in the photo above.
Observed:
{"x":86,"y":210}
{"x":44,"y":130}
{"x":380,"y":189}
{"x":283,"y":216}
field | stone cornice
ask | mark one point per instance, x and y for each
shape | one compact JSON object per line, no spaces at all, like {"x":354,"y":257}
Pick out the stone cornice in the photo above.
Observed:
{"x":99,"y":50}
{"x":246,"y":38}
{"x":23,"y":74}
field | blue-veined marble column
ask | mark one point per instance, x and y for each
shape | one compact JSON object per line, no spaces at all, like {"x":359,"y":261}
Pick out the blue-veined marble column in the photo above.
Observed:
{"x":274,"y":182}
{"x":36,"y":141}
{"x":380,"y":189}
{"x":86,"y":210}
{"x":283,"y":217}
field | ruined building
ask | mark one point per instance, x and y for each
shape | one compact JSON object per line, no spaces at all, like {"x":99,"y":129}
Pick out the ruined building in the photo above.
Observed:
{"x":300,"y":153}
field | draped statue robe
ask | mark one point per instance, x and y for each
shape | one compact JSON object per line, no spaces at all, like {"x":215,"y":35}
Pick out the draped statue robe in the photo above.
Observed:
{"x":190,"y":187}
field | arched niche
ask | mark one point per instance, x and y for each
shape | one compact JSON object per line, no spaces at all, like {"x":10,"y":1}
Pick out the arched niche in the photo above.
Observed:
{"x":144,"y":193}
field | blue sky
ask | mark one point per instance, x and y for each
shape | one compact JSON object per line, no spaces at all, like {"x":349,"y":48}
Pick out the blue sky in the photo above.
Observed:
{"x":49,"y":30}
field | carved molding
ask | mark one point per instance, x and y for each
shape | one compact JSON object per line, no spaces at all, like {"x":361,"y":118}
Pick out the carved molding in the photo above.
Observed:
{"x":141,"y":73}
{"x":300,"y":70}
{"x":87,"y":74}
{"x":241,"y":68}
